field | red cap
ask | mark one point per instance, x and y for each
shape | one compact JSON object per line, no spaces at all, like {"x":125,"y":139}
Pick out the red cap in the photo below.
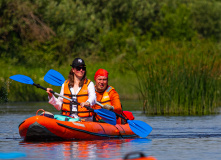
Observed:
{"x":101,"y":72}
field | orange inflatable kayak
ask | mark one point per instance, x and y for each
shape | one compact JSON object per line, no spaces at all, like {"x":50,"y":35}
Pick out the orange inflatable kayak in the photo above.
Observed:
{"x":46,"y":128}
{"x":137,"y":156}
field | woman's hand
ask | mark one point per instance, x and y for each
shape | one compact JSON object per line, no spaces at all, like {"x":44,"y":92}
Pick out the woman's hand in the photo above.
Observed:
{"x":49,"y":93}
{"x":85,"y":104}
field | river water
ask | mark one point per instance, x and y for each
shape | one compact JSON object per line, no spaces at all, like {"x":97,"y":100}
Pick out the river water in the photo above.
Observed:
{"x":172,"y":138}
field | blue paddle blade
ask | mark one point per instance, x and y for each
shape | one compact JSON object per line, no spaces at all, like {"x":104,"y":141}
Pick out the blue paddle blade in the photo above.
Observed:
{"x":22,"y":79}
{"x":140,"y":128}
{"x":106,"y":115}
{"x":55,"y":78}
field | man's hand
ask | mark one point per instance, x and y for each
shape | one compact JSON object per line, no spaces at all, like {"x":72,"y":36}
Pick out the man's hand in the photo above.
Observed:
{"x":108,"y":107}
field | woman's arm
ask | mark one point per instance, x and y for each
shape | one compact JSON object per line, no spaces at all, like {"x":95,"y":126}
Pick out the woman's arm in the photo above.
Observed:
{"x":91,"y":94}
{"x":57,"y":102}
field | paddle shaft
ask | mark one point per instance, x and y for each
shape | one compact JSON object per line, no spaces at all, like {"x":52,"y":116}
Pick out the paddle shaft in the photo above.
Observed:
{"x":103,"y":114}
{"x":107,"y":116}
{"x":38,"y":86}
{"x":89,"y":108}
{"x":55,"y":78}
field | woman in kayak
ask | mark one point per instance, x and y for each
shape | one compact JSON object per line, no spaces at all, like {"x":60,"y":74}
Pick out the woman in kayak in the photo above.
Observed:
{"x":79,"y":89}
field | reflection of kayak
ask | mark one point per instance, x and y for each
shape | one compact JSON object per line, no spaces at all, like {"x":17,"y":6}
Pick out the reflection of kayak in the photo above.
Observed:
{"x":41,"y":128}
{"x":137,"y":156}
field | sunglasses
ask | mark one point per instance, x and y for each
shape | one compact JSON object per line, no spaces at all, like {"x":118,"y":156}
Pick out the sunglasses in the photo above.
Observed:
{"x":79,"y":68}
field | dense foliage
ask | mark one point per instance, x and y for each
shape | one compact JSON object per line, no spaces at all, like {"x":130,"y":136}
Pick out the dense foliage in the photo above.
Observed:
{"x":160,"y":35}
{"x":34,"y":33}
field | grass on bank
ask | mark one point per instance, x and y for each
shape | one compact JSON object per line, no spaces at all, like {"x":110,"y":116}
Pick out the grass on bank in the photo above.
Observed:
{"x":180,"y":78}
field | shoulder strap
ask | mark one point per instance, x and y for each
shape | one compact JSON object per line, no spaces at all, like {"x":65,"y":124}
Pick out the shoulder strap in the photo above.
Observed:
{"x":66,"y":81}
{"x":109,"y":88}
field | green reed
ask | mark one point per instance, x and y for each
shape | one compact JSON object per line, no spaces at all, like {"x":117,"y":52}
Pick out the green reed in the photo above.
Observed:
{"x":180,"y":83}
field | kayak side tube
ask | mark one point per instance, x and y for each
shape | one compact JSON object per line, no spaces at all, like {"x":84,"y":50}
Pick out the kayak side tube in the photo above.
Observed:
{"x":44,"y":128}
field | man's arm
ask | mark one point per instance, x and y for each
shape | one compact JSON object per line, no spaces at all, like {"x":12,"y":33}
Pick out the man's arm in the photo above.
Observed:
{"x":115,"y":101}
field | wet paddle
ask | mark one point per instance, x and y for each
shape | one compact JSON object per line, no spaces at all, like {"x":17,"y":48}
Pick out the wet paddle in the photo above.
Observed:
{"x":140,"y":128}
{"x":106,"y":115}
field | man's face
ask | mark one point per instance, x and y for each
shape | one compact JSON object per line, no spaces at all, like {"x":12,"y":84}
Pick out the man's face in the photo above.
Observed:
{"x":101,"y":83}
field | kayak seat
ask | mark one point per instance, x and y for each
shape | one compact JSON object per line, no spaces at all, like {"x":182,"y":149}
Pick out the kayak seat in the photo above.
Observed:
{"x":65,"y":118}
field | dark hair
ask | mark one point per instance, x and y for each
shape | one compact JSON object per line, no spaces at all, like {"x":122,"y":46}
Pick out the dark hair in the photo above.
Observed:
{"x":71,"y":79}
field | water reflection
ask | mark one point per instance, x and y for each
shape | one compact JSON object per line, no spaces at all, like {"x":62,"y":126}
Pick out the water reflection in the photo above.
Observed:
{"x":141,"y":140}
{"x":81,"y":149}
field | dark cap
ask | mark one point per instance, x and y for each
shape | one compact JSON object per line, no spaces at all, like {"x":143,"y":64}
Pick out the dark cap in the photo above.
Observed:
{"x":77,"y":62}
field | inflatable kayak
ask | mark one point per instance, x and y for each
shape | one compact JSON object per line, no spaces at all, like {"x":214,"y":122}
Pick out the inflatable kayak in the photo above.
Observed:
{"x":46,"y":127}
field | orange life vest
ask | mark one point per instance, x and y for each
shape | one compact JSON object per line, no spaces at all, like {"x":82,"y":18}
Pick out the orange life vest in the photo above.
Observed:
{"x":106,"y":98}
{"x":82,"y":96}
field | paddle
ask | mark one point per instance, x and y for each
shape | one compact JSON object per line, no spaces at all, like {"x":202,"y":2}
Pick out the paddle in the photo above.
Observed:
{"x":140,"y":128}
{"x":54,"y":77}
{"x":107,"y":116}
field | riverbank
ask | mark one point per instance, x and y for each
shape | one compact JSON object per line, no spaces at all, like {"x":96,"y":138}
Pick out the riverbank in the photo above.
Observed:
{"x":180,"y":78}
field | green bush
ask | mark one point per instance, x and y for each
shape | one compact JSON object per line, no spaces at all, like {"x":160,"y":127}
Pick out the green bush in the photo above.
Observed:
{"x":175,"y":22}
{"x":206,"y":18}
{"x":57,"y":30}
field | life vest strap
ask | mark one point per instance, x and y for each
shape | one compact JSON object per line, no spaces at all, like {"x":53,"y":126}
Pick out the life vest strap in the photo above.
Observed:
{"x":69,"y":103}
{"x":70,"y":95}
{"x":81,"y":95}
{"x":71,"y":112}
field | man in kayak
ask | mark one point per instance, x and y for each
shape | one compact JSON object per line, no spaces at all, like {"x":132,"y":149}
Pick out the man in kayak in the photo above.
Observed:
{"x":79,"y":89}
{"x":106,"y":94}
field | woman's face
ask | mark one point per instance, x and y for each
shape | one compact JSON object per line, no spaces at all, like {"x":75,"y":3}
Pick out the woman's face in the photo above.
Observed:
{"x":79,"y":71}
